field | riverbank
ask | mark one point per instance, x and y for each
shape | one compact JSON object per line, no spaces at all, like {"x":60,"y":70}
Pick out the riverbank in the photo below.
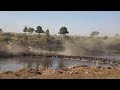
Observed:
{"x":76,"y":72}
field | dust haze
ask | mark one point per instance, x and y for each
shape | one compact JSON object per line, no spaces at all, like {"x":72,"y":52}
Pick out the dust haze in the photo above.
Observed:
{"x":68,"y":47}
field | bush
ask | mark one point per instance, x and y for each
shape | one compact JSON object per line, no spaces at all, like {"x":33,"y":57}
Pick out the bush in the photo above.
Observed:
{"x":4,"y":39}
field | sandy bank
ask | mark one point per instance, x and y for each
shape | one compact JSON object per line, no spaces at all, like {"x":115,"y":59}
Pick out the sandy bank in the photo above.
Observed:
{"x":76,"y":72}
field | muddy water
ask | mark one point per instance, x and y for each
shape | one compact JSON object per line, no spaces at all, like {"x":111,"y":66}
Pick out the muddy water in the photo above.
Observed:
{"x":35,"y":62}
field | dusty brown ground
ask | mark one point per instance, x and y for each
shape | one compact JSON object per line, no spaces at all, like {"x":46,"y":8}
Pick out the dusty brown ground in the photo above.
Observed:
{"x":78,"y":72}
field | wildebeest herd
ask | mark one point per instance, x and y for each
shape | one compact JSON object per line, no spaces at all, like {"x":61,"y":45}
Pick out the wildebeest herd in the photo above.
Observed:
{"x":113,"y":62}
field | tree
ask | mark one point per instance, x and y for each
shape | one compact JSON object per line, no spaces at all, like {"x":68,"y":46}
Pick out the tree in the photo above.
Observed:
{"x":30,"y":30}
{"x":105,"y":37}
{"x":25,"y":29}
{"x":39,"y":30}
{"x":63,"y":30}
{"x":94,"y":33}
{"x":1,"y":30}
{"x":47,"y":35}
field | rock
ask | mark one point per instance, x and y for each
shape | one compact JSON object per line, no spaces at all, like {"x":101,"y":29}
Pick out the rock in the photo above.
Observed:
{"x":60,"y":72}
{"x":76,"y":73}
{"x":8,"y":72}
{"x":71,"y":72}
{"x":66,"y":69}
{"x":99,"y":67}
{"x":86,"y":72}
{"x":27,"y":70}
{"x":109,"y":68}
{"x":39,"y":72}
{"x":17,"y":74}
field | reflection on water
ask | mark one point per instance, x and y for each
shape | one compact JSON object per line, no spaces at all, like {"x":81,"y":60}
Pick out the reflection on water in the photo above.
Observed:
{"x":41,"y":62}
{"x":61,"y":64}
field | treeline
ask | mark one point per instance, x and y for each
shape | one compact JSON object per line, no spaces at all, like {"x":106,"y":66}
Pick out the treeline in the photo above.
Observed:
{"x":39,"y":30}
{"x":44,"y":35}
{"x":77,"y":44}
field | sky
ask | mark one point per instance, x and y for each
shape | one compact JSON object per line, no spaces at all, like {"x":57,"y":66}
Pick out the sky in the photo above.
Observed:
{"x":77,"y":22}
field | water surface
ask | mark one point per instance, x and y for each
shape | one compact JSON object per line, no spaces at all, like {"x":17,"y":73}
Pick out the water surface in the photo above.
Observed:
{"x":36,"y":62}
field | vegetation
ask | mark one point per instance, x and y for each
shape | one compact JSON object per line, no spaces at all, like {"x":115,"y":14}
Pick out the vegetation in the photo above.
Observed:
{"x":31,"y":30}
{"x":25,"y":29}
{"x":105,"y":37}
{"x":39,"y":31}
{"x":62,"y":44}
{"x":63,"y":30}
{"x":76,"y":44}
{"x":1,"y":30}
{"x":42,"y":41}
{"x":94,"y":34}
{"x":47,"y":35}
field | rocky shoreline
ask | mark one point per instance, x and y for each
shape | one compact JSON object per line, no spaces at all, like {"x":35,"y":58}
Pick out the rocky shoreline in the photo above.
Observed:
{"x":75,"y":72}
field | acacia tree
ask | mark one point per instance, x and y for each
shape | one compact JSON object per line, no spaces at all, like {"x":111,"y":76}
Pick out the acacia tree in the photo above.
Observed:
{"x":94,"y":33}
{"x":31,"y":30}
{"x":25,"y":30}
{"x":63,"y":30}
{"x":39,"y":30}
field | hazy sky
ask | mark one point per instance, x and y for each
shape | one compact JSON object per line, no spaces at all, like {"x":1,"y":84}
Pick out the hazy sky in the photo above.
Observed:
{"x":77,"y":22}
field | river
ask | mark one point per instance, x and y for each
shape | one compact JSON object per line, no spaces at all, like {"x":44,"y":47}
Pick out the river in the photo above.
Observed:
{"x":15,"y":63}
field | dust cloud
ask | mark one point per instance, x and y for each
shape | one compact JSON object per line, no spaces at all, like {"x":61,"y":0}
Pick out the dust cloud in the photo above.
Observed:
{"x":69,"y":47}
